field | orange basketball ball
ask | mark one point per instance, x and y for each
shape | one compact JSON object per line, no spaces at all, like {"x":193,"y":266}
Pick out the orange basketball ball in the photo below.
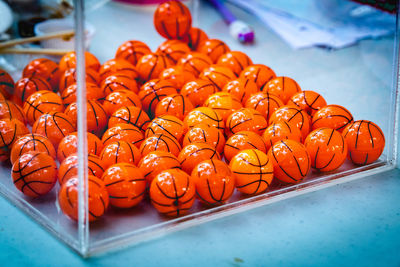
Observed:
{"x":235,"y":60}
{"x":259,"y":73}
{"x":93,"y":92}
{"x":69,"y":167}
{"x":45,"y":68}
{"x":120,"y":66}
{"x":123,"y":132}
{"x":131,"y":115}
{"x":293,"y":115}
{"x":195,"y":37}
{"x":223,"y":103}
{"x":166,"y":124}
{"x":197,"y":91}
{"x":69,"y":77}
{"x":283,"y":87}
{"x":172,"y":192}
{"x":31,"y":143}
{"x":10,"y":132}
{"x":246,"y":119}
{"x":265,"y":103}
{"x":309,"y":101}
{"x":10,"y":110}
{"x":194,"y":153}
{"x":281,"y":130}
{"x":34,"y":173}
{"x":69,"y":145}
{"x":120,"y":152}
{"x":213,"y":48}
{"x":118,"y":81}
{"x":125,"y":185}
{"x":173,"y":49}
{"x":153,"y":92}
{"x":241,"y":141}
{"x":175,"y":105}
{"x":365,"y":141}
{"x":214,"y":182}
{"x":204,"y":133}
{"x":119,"y":99}
{"x":203,"y":115}
{"x":177,"y":75}
{"x":327,"y":149}
{"x":157,"y":161}
{"x":132,"y":51}
{"x":252,"y":170}
{"x":291,"y":161}
{"x":241,"y":88}
{"x":68,"y":61}
{"x":98,"y":199}
{"x":218,"y":75}
{"x":26,"y":86}
{"x":40,"y":103}
{"x":160,"y":142}
{"x":151,"y":65}
{"x":332,"y":116}
{"x":195,"y":62}
{"x":6,"y":84}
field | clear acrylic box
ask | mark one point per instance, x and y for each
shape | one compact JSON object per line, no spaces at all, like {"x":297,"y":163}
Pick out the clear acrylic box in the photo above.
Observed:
{"x":362,"y":77}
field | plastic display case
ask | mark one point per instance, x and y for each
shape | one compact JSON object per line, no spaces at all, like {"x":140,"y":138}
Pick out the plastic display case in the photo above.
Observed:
{"x":362,"y":77}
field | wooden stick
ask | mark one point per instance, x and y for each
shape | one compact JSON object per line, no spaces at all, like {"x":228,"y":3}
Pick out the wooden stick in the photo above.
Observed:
{"x":35,"y":51}
{"x":14,"y":42}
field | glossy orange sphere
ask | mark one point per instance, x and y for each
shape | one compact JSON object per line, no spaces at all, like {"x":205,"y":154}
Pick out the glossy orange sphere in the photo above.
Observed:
{"x":26,"y":86}
{"x":245,"y":119}
{"x":173,"y":49}
{"x":153,"y":92}
{"x":132,"y":51}
{"x":98,"y":199}
{"x":194,"y":153}
{"x":203,"y":115}
{"x":198,"y":91}
{"x":177,"y":75}
{"x":34,"y":173}
{"x":264,"y":103}
{"x":327,"y":149}
{"x":68,"y":61}
{"x":32,"y":143}
{"x":131,"y":115}
{"x":10,"y":110}
{"x":40,"y":103}
{"x":45,"y":68}
{"x":160,"y":142}
{"x":241,"y":89}
{"x":218,"y":75}
{"x":157,"y":161}
{"x":93,"y":92}
{"x":332,"y":116}
{"x":69,"y":77}
{"x":309,"y":101}
{"x":120,"y":66}
{"x":293,"y":115}
{"x":281,"y":130}
{"x":69,"y":145}
{"x":172,"y":192}
{"x":235,"y":60}
{"x":6,"y":84}
{"x":166,"y":124}
{"x":365,"y":141}
{"x":172,"y":20}
{"x":195,"y":37}
{"x":119,"y":99}
{"x":223,"y":103}
{"x":120,"y":152}
{"x":69,"y":167}
{"x":195,"y":62}
{"x":252,"y":170}
{"x":214,"y":182}
{"x":258,"y":73}
{"x":118,"y":81}
{"x":213,"y":48}
{"x":123,"y":132}
{"x":151,"y":65}
{"x":241,"y":141}
{"x":291,"y":161}
{"x":176,"y":105}
{"x":204,"y":133}
{"x":125,"y":185}
{"x":10,"y":132}
{"x":283,"y":87}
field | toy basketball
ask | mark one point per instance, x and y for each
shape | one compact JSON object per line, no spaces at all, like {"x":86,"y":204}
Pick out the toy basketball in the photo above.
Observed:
{"x":98,"y":199}
{"x":246,"y":119}
{"x":365,"y":141}
{"x":172,"y":192}
{"x":93,"y":92}
{"x":175,"y":105}
{"x":172,"y":20}
{"x":34,"y":173}
{"x":25,"y":87}
{"x":160,"y":142}
{"x":194,"y":153}
{"x":293,"y":115}
{"x":131,"y":115}
{"x":235,"y":60}
{"x":241,"y":141}
{"x":198,"y":91}
{"x":123,"y":132}
{"x":118,"y":81}
{"x":157,"y":161}
{"x":151,"y":65}
{"x":252,"y":170}
{"x":327,"y":149}
{"x":309,"y":101}
{"x":218,"y":75}
{"x":40,"y":103}
{"x":44,"y":68}
{"x":69,"y":77}
{"x":68,"y":61}
{"x":177,"y":75}
{"x":119,"y":152}
{"x":119,"y":99}
{"x":153,"y":92}
{"x":173,"y":49}
{"x":204,"y":133}
{"x":195,"y":37}
{"x":214,"y":182}
{"x":132,"y":51}
{"x":55,"y":126}
{"x":31,"y":143}
{"x":213,"y":48}
{"x":10,"y":132}
{"x":69,"y":167}
{"x":118,"y":66}
{"x":265,"y":103}
{"x":69,"y":145}
{"x":290,"y":160}
{"x":10,"y":110}
{"x":195,"y":62}
{"x":281,"y":130}
{"x":258,"y":73}
{"x":283,"y":87}
{"x":6,"y":84}
{"x":166,"y":124}
{"x":223,"y":103}
{"x":332,"y":116}
{"x":203,"y":115}
{"x":241,"y":89}
{"x":125,"y":185}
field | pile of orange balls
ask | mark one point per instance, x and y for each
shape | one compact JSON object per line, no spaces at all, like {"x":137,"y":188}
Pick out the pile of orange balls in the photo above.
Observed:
{"x":166,"y":124}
